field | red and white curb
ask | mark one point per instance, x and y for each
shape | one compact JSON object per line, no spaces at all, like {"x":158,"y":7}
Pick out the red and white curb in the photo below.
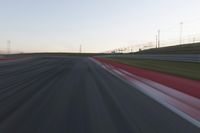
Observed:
{"x":184,"y":105}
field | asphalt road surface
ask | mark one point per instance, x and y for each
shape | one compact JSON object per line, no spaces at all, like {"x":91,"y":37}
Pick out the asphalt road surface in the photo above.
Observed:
{"x":75,"y":95}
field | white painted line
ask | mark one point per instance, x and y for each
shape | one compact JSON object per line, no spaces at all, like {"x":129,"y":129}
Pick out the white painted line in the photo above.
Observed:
{"x":182,"y":104}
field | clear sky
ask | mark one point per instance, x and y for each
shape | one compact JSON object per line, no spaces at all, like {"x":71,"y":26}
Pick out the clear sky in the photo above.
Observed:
{"x":99,"y":25}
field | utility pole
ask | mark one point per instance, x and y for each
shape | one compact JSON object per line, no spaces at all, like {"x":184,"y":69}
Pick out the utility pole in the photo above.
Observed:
{"x":80,"y":48}
{"x":156,"y":41}
{"x":158,"y":38}
{"x":181,"y":32}
{"x":8,"y":46}
{"x":131,"y":48}
{"x":194,"y":39}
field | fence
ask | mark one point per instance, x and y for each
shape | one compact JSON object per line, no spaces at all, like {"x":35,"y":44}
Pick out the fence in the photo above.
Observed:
{"x":182,"y":33}
{"x":190,"y":39}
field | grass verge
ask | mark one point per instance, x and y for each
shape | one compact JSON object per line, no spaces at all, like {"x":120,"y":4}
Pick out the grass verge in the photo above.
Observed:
{"x":193,"y":48}
{"x":183,"y":69}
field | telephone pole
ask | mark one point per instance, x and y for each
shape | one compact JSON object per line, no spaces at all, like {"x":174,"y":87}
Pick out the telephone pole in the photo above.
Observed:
{"x":80,"y":48}
{"x":8,"y":46}
{"x":194,"y":39}
{"x":158,"y":38}
{"x":181,"y":32}
{"x":156,"y":41}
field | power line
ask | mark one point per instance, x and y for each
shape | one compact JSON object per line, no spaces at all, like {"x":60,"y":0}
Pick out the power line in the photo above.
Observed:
{"x":177,"y":31}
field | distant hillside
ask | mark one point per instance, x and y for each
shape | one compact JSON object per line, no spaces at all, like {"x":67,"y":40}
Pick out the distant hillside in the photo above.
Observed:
{"x":178,"y":49}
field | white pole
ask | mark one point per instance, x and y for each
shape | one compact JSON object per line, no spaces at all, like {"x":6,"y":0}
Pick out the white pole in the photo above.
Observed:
{"x":158,"y":38}
{"x":181,"y":32}
{"x":8,"y":46}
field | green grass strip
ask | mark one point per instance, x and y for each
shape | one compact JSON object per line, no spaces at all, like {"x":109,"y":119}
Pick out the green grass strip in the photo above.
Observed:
{"x":183,"y":69}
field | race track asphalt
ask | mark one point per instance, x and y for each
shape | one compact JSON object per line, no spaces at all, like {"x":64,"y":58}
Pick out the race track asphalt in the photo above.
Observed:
{"x":75,"y":95}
